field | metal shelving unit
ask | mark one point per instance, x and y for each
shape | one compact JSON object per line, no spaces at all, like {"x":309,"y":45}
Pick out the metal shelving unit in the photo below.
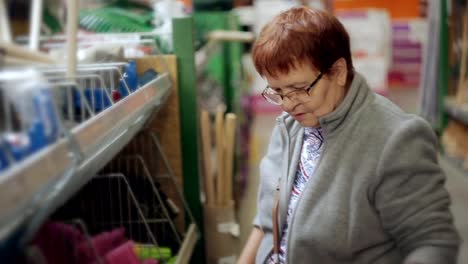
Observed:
{"x":21,"y":185}
{"x":32,"y":189}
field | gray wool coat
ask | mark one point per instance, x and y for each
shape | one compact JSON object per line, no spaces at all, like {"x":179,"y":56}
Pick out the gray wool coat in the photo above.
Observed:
{"x":377,"y":194}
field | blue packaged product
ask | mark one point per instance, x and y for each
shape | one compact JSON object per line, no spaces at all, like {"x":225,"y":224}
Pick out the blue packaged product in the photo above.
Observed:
{"x":18,"y":144}
{"x":131,"y":79}
{"x":33,"y":120}
{"x":97,"y":99}
{"x":3,"y":157}
{"x":37,"y":136}
{"x":47,"y":115}
{"x":101,"y":99}
{"x":147,"y":77}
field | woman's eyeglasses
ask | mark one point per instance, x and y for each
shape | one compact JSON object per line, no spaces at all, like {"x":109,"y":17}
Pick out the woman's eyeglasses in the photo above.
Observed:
{"x":277,"y":99}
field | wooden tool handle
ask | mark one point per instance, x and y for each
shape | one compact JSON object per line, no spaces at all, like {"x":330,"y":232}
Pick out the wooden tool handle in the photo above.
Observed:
{"x":72,"y":29}
{"x":206,"y":149}
{"x":231,"y":35}
{"x":19,"y":52}
{"x":219,"y":123}
{"x":230,"y":131}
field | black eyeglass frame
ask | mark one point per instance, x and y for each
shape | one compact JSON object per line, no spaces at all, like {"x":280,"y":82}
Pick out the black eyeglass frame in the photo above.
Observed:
{"x":296,"y":90}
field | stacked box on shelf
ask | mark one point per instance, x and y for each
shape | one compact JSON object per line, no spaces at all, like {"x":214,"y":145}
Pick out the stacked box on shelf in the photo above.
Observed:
{"x":407,"y":43}
{"x":370,"y":36}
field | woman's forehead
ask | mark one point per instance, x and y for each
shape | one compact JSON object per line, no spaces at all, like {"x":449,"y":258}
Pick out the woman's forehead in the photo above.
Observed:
{"x":299,"y":74}
{"x":295,"y":67}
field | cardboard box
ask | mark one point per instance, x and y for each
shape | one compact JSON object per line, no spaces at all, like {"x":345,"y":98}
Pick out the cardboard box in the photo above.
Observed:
{"x":221,"y":234}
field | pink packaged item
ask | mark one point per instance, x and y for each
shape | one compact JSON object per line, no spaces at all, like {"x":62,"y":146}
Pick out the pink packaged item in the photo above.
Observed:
{"x":124,"y":254}
{"x":103,"y":243}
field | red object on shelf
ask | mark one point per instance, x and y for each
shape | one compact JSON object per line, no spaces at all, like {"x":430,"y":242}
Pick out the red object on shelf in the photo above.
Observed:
{"x":396,"y":8}
{"x":116,"y":96}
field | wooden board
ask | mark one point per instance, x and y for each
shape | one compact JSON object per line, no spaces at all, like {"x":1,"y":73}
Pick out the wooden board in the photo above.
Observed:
{"x":166,"y":124}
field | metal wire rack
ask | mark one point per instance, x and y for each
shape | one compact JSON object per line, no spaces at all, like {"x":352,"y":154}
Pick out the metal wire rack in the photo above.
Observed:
{"x":94,"y":125}
{"x":125,"y":194}
{"x":153,"y":201}
{"x":99,"y":113}
{"x":103,"y":216}
{"x":95,"y":88}
{"x":148,"y":171}
{"x":108,"y":203}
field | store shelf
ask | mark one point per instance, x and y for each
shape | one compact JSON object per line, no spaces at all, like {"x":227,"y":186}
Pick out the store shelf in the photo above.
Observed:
{"x":456,"y":111}
{"x":103,"y":136}
{"x":53,"y":175}
{"x":110,"y":130}
{"x":20,"y":184}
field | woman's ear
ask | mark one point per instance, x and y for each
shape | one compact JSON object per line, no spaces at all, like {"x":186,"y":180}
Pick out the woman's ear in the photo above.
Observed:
{"x":341,"y":71}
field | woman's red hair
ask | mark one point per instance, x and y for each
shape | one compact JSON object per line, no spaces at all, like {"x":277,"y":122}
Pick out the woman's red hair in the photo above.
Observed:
{"x":301,"y":35}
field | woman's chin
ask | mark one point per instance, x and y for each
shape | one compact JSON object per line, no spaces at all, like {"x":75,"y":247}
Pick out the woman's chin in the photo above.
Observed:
{"x":309,"y":122}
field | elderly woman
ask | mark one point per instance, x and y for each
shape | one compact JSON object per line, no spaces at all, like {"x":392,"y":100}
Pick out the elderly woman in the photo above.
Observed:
{"x":348,"y":176}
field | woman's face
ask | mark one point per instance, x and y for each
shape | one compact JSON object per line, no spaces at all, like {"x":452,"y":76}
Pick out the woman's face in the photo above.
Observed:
{"x":305,"y":107}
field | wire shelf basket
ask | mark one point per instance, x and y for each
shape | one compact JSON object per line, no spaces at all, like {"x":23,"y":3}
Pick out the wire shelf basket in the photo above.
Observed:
{"x":65,"y":131}
{"x":126,"y":195}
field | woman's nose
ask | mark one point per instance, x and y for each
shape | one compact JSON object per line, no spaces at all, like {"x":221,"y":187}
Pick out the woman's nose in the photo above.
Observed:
{"x":289,"y":104}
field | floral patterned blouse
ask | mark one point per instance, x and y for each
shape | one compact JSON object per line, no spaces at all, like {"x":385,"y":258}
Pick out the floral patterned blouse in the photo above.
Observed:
{"x":310,"y":155}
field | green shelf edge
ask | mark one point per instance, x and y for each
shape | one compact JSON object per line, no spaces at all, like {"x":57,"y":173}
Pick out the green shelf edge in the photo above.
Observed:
{"x":183,"y":42}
